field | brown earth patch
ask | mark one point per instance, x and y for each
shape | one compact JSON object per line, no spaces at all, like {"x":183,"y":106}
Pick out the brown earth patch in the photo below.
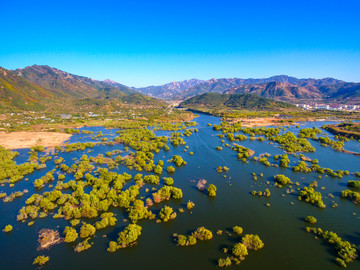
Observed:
{"x":262,"y":122}
{"x":25,"y":139}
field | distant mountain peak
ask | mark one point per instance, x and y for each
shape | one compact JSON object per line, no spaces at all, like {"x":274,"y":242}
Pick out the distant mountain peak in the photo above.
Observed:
{"x":170,"y":90}
{"x":109,"y":81}
{"x":212,"y":80}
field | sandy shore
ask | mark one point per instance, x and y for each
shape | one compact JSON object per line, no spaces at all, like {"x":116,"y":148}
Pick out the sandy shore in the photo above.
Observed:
{"x":18,"y":140}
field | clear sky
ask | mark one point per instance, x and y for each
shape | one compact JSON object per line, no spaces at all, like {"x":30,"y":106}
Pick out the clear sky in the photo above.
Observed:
{"x":141,"y":43}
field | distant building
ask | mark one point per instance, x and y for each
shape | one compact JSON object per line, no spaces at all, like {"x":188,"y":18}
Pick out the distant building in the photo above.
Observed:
{"x":65,"y":116}
{"x":91,"y":114}
{"x":352,"y":107}
{"x":304,"y":106}
{"x":322,"y":107}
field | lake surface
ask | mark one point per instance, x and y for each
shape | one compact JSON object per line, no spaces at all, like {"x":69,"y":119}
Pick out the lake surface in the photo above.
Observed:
{"x":281,"y":226}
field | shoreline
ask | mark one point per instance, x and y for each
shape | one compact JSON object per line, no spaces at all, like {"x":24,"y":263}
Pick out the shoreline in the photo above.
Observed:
{"x":273,"y":121}
{"x":350,"y":152}
{"x":27,"y":139}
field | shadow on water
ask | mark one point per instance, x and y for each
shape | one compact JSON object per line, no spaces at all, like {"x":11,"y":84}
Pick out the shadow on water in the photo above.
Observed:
{"x":352,"y":238}
{"x":114,"y":234}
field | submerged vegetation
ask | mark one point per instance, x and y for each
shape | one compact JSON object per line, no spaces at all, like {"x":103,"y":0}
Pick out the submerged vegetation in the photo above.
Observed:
{"x":352,"y":195}
{"x":129,"y":235}
{"x":41,"y":260}
{"x":237,"y":252}
{"x":241,"y":249}
{"x":201,"y":234}
{"x":282,"y":180}
{"x":308,"y":194}
{"x":8,"y":228}
{"x":354,"y":184}
{"x":311,"y":220}
{"x":10,"y":172}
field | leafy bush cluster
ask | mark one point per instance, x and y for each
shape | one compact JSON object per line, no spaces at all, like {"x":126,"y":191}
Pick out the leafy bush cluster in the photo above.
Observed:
{"x":291,"y":144}
{"x":240,"y":250}
{"x":346,"y":251}
{"x":127,"y":237}
{"x":309,"y":195}
{"x":282,"y":180}
{"x":201,"y":234}
{"x":352,"y":195}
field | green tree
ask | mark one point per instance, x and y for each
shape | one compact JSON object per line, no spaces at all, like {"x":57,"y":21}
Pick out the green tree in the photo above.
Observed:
{"x":282,"y":180}
{"x":87,"y":230}
{"x":252,"y":241}
{"x":129,"y":235}
{"x":158,"y":169}
{"x":41,"y":260}
{"x":190,"y":205}
{"x":113,"y":246}
{"x":211,"y":190}
{"x":202,"y":233}
{"x":181,"y":240}
{"x":224,"y":262}
{"x":239,"y":250}
{"x":311,"y":220}
{"x":170,"y":169}
{"x":167,"y":213}
{"x":238,"y":230}
{"x":8,"y":228}
{"x":169,"y":181}
{"x":70,"y":234}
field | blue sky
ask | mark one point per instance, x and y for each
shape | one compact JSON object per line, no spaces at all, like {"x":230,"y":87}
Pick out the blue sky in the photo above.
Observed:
{"x":141,"y":43}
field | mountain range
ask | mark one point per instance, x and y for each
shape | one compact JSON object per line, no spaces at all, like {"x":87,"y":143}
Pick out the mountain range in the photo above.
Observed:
{"x":40,"y":87}
{"x":280,"y":87}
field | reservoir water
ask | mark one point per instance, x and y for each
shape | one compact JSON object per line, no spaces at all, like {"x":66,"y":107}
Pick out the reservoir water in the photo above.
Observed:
{"x":281,"y":226}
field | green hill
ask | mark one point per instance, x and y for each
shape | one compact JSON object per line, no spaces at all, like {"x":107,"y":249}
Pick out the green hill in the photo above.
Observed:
{"x":213,"y":101}
{"x":64,"y":84}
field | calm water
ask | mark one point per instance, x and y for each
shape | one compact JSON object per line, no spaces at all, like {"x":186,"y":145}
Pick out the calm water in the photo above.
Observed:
{"x":281,"y":226}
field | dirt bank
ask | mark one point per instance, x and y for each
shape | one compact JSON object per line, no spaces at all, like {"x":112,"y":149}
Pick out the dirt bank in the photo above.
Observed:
{"x":262,"y":122}
{"x":18,"y":140}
